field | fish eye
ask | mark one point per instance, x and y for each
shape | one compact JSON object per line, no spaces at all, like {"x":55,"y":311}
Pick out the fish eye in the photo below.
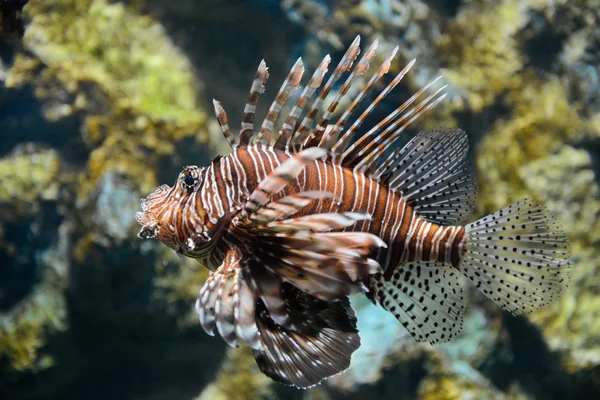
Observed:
{"x":190,"y":178}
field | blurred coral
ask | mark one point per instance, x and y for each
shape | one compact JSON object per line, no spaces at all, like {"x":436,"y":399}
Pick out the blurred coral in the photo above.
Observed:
{"x":136,"y":90}
{"x":239,"y":378}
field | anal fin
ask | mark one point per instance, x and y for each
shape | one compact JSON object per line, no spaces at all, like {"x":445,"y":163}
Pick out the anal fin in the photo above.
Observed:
{"x":426,"y":297}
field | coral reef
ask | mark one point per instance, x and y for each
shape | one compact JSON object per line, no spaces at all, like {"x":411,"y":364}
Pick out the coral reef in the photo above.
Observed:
{"x":28,"y":176}
{"x":568,"y":183}
{"x":542,"y":120}
{"x":32,"y":302}
{"x":116,"y":89}
{"x":72,"y":267}
{"x":136,"y":90}
{"x":523,"y":82}
{"x":484,"y":62}
{"x":239,"y":378}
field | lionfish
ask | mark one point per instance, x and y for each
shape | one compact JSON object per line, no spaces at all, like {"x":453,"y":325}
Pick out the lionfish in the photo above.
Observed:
{"x":291,"y":224}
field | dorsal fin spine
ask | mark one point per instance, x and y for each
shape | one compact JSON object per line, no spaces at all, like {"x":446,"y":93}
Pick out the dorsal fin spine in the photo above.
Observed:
{"x":224,"y":124}
{"x":344,"y":65}
{"x":340,"y":124}
{"x":291,"y":83}
{"x":361,"y":67}
{"x":247,"y":126}
{"x":286,"y":135}
{"x":369,"y":140}
{"x":346,"y":139}
{"x":369,"y":157}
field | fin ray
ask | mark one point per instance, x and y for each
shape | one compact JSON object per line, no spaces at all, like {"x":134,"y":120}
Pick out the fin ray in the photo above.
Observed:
{"x":432,"y":172}
{"x":426,"y":297}
{"x":321,"y":345}
{"x":279,"y":178}
{"x":258,"y":87}
{"x":291,"y":83}
{"x":304,"y":130}
{"x":286,"y":136}
{"x":518,"y":257}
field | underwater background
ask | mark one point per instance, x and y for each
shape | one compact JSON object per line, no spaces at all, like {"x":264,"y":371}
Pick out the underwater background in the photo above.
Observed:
{"x":101,"y":101}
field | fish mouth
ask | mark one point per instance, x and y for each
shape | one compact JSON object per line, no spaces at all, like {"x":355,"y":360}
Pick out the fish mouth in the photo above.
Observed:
{"x":150,"y":226}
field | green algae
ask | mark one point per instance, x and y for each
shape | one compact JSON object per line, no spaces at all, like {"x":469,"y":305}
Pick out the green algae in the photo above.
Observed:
{"x":541,"y":121}
{"x":454,"y":380}
{"x":24,"y":330}
{"x":27,"y":177}
{"x":136,"y":89}
{"x":481,"y":50}
{"x":128,"y":56}
{"x":135,"y":93}
{"x":567,"y":183}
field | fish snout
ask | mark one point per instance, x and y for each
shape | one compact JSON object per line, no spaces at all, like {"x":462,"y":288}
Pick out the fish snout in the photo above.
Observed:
{"x":150,"y":226}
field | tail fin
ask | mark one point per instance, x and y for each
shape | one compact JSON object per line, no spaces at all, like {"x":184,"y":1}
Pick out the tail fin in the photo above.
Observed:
{"x":518,"y":257}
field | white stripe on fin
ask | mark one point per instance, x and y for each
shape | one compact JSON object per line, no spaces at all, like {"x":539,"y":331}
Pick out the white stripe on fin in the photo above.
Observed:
{"x":279,"y":178}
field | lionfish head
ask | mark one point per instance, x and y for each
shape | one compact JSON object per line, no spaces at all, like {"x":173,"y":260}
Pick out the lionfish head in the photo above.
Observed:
{"x":174,"y":215}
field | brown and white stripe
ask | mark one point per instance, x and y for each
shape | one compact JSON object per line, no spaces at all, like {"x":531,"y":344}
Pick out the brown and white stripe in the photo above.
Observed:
{"x":409,"y":237}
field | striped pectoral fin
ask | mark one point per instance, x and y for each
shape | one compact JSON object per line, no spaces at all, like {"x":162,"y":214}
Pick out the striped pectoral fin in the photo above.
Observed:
{"x":287,"y":206}
{"x":245,"y":312}
{"x":268,"y":290}
{"x":325,"y":265}
{"x":518,"y":257}
{"x":320,"y":345}
{"x":227,"y":295}
{"x":304,"y":252}
{"x":426,"y":297}
{"x":205,"y":304}
{"x":227,"y":302}
{"x":327,"y":276}
{"x":315,"y":222}
{"x":432,"y":173}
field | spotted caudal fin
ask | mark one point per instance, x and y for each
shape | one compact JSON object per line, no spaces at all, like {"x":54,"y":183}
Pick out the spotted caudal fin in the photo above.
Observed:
{"x":518,"y":257}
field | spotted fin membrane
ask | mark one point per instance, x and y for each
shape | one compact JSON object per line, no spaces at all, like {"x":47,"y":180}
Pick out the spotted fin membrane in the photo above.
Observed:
{"x":518,"y":257}
{"x":426,"y":297}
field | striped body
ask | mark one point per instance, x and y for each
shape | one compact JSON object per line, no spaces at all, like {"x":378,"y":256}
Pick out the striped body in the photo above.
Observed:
{"x":229,"y":181}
